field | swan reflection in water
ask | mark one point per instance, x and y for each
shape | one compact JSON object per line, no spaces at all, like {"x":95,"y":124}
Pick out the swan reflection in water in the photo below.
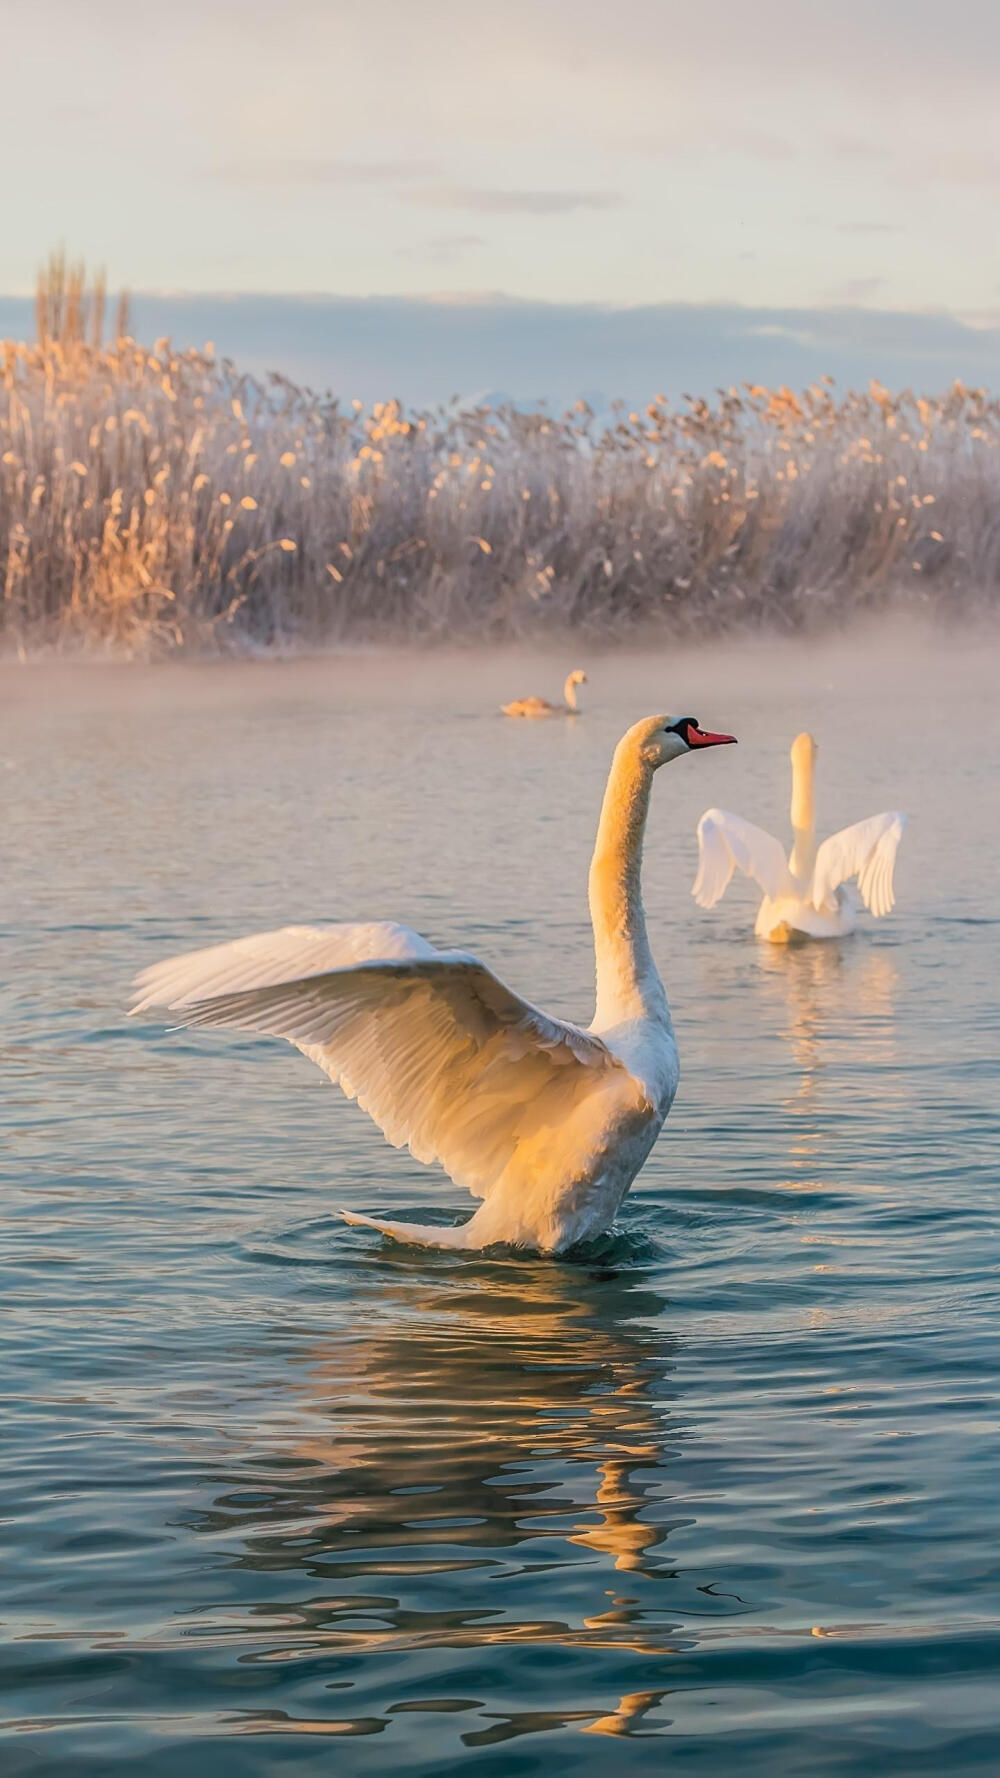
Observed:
{"x":839,"y":1005}
{"x":816,"y":1039}
{"x":487,"y":1423}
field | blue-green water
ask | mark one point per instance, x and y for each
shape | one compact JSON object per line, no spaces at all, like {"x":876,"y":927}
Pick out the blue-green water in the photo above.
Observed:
{"x":275,"y":1496}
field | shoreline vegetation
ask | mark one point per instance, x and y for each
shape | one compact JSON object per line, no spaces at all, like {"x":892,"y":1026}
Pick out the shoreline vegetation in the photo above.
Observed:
{"x":156,"y":501}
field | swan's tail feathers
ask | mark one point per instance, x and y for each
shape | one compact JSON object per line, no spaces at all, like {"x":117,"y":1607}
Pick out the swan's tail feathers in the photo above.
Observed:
{"x":417,"y":1234}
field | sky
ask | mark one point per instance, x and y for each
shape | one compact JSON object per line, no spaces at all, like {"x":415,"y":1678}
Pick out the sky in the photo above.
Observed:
{"x":781,"y":155}
{"x":425,"y":352}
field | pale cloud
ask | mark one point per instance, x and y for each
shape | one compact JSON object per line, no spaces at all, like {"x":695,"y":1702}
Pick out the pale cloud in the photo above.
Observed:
{"x":854,"y":290}
{"x":706,"y":136}
{"x":971,"y":167}
{"x":858,"y":148}
{"x":663,"y":138}
{"x":488,"y":201}
{"x":320,"y":171}
{"x":442,"y":249}
{"x":867,"y":228}
{"x":759,"y":144}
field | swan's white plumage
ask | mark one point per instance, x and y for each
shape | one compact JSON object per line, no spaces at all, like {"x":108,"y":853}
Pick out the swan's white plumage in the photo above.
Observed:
{"x":541,"y":707}
{"x":545,"y":1122}
{"x":727,"y":843}
{"x":805,"y":893}
{"x":432,"y":1045}
{"x":866,"y":851}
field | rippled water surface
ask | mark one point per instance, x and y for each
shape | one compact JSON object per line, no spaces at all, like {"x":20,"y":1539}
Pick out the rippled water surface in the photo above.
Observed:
{"x":720,"y":1492}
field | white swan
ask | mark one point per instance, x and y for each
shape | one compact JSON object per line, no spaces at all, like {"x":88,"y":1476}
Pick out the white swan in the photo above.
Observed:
{"x":806,"y":895}
{"x":546,"y":1122}
{"x":541,"y":707}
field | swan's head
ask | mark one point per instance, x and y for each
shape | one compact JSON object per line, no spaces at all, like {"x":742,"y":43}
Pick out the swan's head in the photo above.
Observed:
{"x":659,"y":739}
{"x":577,"y":677}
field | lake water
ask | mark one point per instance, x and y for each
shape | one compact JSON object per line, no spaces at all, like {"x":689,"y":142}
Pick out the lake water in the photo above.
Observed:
{"x":720,"y":1493}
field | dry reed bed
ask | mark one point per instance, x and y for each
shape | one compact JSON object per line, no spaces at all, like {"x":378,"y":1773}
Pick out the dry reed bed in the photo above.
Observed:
{"x":153,"y":500}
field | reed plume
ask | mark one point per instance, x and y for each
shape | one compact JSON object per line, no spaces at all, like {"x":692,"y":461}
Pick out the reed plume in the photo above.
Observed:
{"x":153,"y":498}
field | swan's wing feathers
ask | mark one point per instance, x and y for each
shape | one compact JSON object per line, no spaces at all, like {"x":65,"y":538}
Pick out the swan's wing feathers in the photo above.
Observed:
{"x":443,"y":1056}
{"x":311,"y":1009}
{"x":268,"y":957}
{"x":726,"y":843}
{"x":866,"y":851}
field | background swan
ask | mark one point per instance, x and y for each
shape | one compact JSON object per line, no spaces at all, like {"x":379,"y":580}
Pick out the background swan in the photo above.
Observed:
{"x":546,"y":1122}
{"x":541,"y":707}
{"x":806,"y":894}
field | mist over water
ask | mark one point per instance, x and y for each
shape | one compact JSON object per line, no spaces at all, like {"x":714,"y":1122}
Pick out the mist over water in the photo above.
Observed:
{"x":720,"y":1489}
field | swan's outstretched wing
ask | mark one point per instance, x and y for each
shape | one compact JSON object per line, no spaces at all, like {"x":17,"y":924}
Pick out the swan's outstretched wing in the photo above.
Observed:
{"x":866,"y":851}
{"x":443,"y":1056}
{"x":727,"y":843}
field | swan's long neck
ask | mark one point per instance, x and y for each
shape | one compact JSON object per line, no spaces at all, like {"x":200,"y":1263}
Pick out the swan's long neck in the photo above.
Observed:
{"x":803,"y":855}
{"x":569,"y":694}
{"x":628,"y":985}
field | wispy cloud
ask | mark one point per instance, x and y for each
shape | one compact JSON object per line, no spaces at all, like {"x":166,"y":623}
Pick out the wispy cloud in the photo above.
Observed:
{"x":760,"y":144}
{"x":487,"y":201}
{"x":965,"y":169}
{"x":442,"y":249}
{"x":868,"y":228}
{"x":854,"y":290}
{"x":859,"y":148}
{"x":704,"y":137}
{"x":317,"y":171}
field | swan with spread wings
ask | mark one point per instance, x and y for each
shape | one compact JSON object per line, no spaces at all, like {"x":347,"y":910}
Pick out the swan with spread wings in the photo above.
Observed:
{"x":545,"y":1121}
{"x":809,"y":893}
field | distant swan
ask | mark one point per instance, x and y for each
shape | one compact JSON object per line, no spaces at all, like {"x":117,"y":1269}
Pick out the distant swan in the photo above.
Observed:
{"x":807,"y":894}
{"x":541,"y":707}
{"x":546,"y":1122}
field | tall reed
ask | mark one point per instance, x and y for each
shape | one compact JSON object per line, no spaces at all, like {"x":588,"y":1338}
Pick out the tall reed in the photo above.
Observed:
{"x":156,"y":499}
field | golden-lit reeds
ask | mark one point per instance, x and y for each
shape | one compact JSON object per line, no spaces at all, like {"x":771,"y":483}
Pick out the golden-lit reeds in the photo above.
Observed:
{"x":156,"y":499}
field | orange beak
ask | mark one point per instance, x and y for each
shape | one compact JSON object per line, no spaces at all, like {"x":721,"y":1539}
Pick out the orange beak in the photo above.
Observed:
{"x":700,"y":737}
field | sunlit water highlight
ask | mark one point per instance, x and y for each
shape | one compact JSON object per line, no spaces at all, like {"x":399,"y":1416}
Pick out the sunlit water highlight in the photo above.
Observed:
{"x":723,"y":1487}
